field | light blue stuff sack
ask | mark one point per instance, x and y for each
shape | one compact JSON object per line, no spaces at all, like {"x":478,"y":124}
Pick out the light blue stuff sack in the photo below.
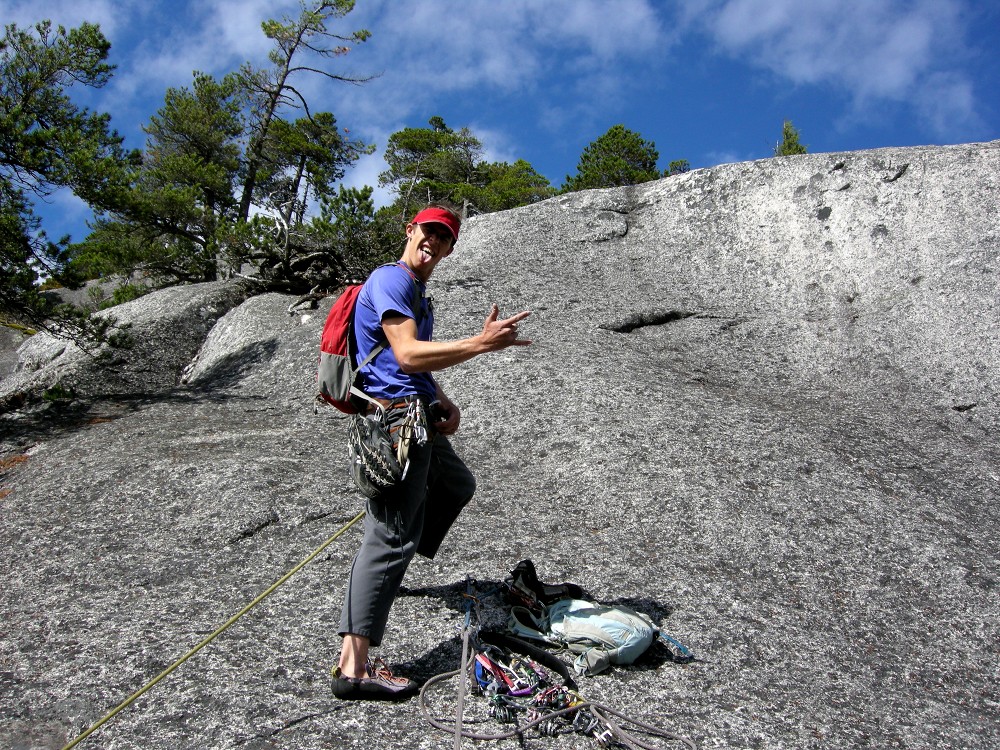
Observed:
{"x":599,"y":634}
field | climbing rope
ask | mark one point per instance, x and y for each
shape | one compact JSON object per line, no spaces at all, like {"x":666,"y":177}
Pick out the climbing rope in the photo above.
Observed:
{"x":215,"y":633}
{"x":463,"y":671}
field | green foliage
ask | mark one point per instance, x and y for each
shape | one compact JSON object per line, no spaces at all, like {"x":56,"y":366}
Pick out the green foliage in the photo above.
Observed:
{"x":59,"y":392}
{"x":125,"y":293}
{"x":183,"y":222}
{"x":502,"y":186}
{"x":429,"y":165}
{"x":356,"y":237}
{"x":789,"y":144}
{"x":347,"y":226}
{"x":619,"y":157}
{"x":302,"y":161}
{"x":48,"y":143}
{"x":22,"y":329}
{"x":120,"y":294}
{"x":193,"y":146}
{"x":221,"y":139}
{"x":183,"y":192}
{"x":344,"y":243}
{"x":678,"y":166}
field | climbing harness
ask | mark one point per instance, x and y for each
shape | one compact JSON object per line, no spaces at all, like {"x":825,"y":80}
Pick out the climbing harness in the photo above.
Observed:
{"x":528,"y":687}
{"x":215,"y":633}
{"x":379,"y":453}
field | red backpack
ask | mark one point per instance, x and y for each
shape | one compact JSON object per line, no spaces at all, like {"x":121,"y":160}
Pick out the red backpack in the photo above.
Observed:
{"x":337,"y":377}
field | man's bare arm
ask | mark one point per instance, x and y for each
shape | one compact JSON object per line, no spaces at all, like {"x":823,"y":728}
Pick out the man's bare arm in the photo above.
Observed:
{"x":414,"y":355}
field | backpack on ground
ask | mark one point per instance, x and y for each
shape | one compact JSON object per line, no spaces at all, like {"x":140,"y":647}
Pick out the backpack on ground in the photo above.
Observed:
{"x":560,"y":617}
{"x":337,"y":376}
{"x":599,"y":634}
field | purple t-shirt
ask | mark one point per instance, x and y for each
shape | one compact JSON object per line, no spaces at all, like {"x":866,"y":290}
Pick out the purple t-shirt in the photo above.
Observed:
{"x":390,"y":291}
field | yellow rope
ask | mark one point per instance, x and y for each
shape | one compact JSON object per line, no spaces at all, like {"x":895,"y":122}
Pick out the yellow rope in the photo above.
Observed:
{"x":218,"y":631}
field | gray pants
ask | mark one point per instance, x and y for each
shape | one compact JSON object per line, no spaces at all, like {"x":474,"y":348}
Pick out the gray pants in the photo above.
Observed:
{"x":412,"y":517}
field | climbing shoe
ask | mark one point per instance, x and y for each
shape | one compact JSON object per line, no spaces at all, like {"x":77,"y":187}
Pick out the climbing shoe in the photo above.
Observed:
{"x":522,"y":588}
{"x":379,"y":685}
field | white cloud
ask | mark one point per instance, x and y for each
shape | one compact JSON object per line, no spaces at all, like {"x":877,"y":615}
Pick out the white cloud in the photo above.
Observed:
{"x":68,"y":13}
{"x":479,"y":49}
{"x":436,"y":47}
{"x":498,"y":145}
{"x":213,"y":38}
{"x":233,"y":26}
{"x":713,"y":158}
{"x":622,"y":30}
{"x":948,"y":103}
{"x":875,"y":50}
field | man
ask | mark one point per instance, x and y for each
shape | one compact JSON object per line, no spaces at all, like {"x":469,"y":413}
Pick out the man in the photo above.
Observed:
{"x":414,"y":516}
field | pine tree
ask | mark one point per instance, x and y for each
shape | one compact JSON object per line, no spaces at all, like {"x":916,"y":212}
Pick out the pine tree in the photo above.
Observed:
{"x":619,"y":157}
{"x":789,"y":144}
{"x":678,"y":166}
{"x":272,"y":89}
{"x":437,"y":163}
{"x":48,"y":143}
{"x":429,"y":164}
{"x":183,"y":193}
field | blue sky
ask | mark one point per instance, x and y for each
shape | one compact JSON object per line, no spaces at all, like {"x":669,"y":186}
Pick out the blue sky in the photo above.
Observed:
{"x":709,"y":81}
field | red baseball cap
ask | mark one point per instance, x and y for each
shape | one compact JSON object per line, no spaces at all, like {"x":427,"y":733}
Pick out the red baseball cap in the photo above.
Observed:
{"x":434,"y":215}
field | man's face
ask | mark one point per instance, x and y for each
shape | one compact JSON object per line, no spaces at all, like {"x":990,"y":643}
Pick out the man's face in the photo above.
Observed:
{"x":426,"y":246}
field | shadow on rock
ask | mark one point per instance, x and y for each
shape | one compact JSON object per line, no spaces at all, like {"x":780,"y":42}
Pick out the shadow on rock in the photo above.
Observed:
{"x":37,"y":420}
{"x":230,"y":370}
{"x":445,"y":657}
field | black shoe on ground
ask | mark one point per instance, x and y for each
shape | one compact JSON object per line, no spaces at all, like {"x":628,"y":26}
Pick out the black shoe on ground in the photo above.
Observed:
{"x":379,"y":685}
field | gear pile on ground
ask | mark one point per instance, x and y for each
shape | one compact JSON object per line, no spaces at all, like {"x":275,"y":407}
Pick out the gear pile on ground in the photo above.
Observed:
{"x":527,"y":686}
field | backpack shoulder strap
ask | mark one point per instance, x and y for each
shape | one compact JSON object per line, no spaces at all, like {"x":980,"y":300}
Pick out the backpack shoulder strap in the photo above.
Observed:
{"x":522,"y":623}
{"x":418,"y":293}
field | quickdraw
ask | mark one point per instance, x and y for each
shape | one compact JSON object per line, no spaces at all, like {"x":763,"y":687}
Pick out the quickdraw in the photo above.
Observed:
{"x":520,"y":677}
{"x":412,"y":429}
{"x":520,"y":686}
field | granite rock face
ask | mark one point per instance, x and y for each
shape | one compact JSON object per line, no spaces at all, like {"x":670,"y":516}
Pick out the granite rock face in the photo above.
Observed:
{"x":761,"y":405}
{"x":159,"y":334}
